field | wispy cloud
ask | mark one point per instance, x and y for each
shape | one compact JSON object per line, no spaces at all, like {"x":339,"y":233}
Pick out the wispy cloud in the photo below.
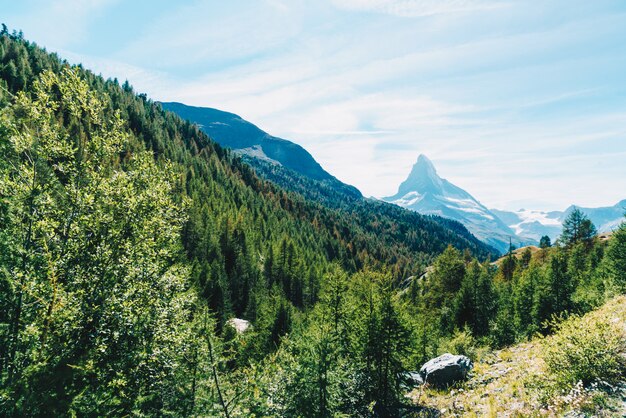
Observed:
{"x":59,"y":24}
{"x":494,"y":92}
{"x":201,"y":35}
{"x":418,"y":8}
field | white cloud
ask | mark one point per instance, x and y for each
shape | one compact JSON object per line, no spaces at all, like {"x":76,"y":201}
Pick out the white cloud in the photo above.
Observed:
{"x":202,"y":33}
{"x":60,"y":24}
{"x":143,"y":80}
{"x":418,"y":8}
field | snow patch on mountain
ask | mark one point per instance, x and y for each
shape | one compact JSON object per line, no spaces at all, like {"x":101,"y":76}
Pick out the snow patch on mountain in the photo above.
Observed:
{"x":530,"y":219}
{"x":535,"y":224}
{"x":408,"y":199}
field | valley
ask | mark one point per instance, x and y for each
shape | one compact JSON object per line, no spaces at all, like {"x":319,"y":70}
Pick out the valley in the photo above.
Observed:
{"x":165,"y":260}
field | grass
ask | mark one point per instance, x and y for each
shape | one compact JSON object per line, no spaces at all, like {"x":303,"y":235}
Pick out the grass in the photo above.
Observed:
{"x":518,"y":382}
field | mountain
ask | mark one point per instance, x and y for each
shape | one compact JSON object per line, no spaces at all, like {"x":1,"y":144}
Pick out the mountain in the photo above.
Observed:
{"x":248,"y":140}
{"x":292,"y":168}
{"x":425,"y":192}
{"x":130,"y":242}
{"x":534,"y":224}
{"x":236,"y":219}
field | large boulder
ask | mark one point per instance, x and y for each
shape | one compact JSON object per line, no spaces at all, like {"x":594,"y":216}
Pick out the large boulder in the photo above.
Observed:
{"x":445,"y":370}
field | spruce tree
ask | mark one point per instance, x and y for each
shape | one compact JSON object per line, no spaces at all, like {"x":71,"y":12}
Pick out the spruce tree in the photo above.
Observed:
{"x":577,"y":227}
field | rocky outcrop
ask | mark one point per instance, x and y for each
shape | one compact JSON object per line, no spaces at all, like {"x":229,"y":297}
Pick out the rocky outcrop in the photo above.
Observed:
{"x":240,"y":325}
{"x":444,"y":370}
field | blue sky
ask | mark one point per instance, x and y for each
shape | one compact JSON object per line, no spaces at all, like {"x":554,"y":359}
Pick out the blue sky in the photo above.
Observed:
{"x":522,"y":103}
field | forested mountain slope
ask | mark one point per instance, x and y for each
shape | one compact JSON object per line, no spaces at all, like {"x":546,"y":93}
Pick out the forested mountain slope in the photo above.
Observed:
{"x":129,"y":237}
{"x":258,"y":148}
{"x":292,"y":168}
{"x":231,"y":131}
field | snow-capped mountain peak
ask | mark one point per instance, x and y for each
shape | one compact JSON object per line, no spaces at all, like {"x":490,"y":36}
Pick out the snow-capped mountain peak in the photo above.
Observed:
{"x":423,"y":177}
{"x":425,"y":192}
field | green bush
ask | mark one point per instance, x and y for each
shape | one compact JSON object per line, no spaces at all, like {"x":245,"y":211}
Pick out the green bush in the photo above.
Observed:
{"x":461,"y":342}
{"x":585,"y":349}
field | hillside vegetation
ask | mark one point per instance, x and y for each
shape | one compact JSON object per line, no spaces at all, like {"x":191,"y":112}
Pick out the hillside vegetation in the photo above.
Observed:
{"x":582,"y":369}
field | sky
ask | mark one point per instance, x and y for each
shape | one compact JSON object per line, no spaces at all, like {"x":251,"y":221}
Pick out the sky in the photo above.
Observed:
{"x":521,"y":103}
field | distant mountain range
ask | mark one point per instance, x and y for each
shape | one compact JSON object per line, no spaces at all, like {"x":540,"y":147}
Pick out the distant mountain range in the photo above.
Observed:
{"x":535,"y":224}
{"x":292,"y":167}
{"x":425,"y":192}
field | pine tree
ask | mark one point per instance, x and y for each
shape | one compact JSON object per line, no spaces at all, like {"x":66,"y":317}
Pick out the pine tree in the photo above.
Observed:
{"x":524,"y":297}
{"x":576,"y":228}
{"x":474,"y":301}
{"x":445,"y":278}
{"x":281,"y":324}
{"x":545,"y":242}
{"x":561,"y":282}
{"x":385,"y":342}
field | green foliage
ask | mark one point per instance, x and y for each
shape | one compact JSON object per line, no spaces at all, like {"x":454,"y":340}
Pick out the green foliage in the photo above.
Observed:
{"x":445,"y":279}
{"x":410,"y":238}
{"x":320,"y":378}
{"x":475,"y":303}
{"x":96,"y":281}
{"x":461,"y":342}
{"x":526,"y":257}
{"x":585,"y":350}
{"x":348,"y":355}
{"x":617,"y":257}
{"x":525,"y":300}
{"x":508,"y":267}
{"x":503,"y":331}
{"x":384,"y":340}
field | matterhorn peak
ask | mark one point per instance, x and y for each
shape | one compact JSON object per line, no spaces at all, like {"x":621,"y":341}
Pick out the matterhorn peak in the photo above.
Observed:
{"x":425,"y":192}
{"x":422,"y":159}
{"x":424,"y":167}
{"x":422,"y":179}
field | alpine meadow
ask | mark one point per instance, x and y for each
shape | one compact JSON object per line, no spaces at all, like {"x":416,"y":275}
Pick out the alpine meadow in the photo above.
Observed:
{"x":159,"y":259}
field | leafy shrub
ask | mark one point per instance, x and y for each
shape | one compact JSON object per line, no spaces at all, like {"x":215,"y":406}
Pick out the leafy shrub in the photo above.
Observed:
{"x":461,"y":342}
{"x":585,"y":349}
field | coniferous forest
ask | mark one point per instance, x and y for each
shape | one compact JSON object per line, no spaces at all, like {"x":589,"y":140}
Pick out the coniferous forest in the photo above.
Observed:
{"x":129,"y":242}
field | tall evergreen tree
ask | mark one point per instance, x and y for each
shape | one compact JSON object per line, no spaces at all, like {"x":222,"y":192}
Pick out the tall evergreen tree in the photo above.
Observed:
{"x":476,"y":301}
{"x":577,"y":227}
{"x":385,"y":340}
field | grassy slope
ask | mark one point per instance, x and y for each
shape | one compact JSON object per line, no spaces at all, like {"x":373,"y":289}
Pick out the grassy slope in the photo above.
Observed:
{"x":504,"y":382}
